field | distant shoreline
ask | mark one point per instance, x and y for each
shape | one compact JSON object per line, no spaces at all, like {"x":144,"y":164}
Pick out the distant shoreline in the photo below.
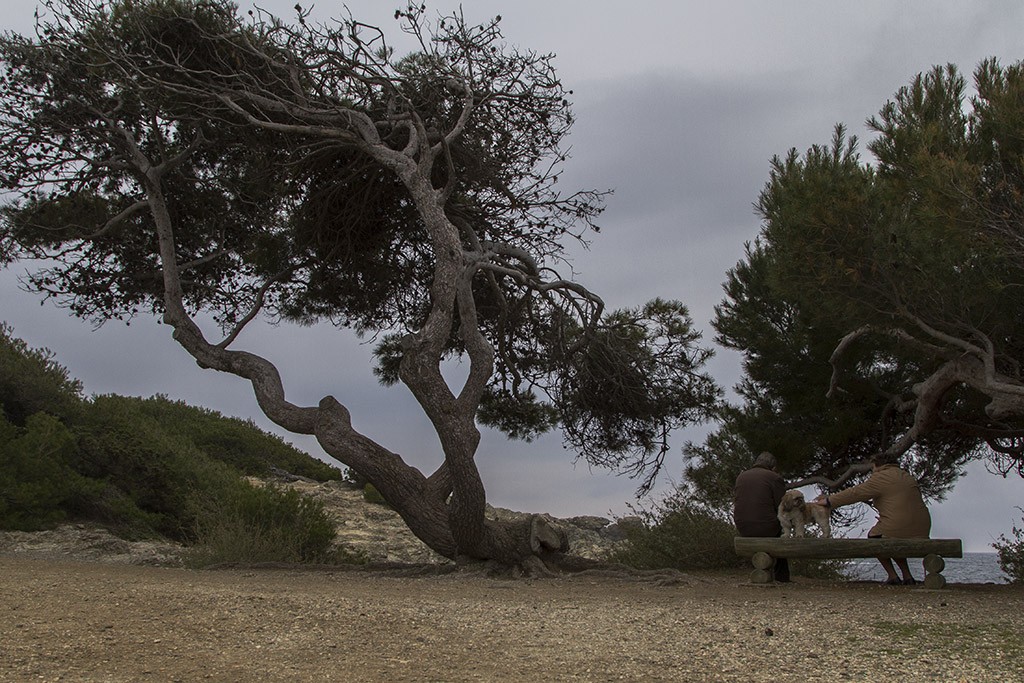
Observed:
{"x":972,"y":568}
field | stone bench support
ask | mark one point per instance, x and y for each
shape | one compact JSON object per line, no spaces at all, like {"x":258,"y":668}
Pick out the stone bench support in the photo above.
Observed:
{"x":764,"y":551}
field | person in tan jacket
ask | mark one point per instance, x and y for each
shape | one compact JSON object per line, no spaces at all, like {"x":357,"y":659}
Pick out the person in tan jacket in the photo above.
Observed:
{"x":896,"y":497}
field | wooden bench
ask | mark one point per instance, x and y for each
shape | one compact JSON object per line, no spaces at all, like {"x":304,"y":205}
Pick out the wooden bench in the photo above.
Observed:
{"x":763,"y":552}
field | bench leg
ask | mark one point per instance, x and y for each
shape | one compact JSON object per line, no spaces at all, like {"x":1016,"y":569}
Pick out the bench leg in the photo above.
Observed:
{"x":933,"y":566}
{"x":763,"y":565}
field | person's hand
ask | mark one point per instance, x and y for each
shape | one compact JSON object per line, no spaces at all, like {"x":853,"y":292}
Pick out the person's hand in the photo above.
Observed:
{"x":820,"y":500}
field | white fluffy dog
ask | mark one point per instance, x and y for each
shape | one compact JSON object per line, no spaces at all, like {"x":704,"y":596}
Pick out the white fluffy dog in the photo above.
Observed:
{"x":795,"y":514}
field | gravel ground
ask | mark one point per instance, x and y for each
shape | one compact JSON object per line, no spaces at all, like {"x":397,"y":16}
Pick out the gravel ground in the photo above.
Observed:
{"x":66,"y":620}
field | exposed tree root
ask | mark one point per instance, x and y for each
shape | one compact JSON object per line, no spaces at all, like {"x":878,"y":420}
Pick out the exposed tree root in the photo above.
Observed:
{"x":548,"y":566}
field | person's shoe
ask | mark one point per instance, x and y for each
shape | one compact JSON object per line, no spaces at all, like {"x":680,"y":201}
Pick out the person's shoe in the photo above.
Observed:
{"x":893,"y":582}
{"x":910,"y":581}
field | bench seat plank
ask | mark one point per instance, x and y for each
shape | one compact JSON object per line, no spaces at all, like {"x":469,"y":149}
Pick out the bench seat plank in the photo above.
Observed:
{"x":844,"y":548}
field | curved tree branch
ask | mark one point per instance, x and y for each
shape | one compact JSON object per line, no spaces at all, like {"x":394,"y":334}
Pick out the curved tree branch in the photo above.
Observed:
{"x":851,"y":471}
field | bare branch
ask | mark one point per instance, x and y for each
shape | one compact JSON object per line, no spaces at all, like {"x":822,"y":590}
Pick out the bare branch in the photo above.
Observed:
{"x":117,"y":220}
{"x":838,"y":352}
{"x":254,"y":310}
{"x":949,"y":339}
{"x":195,"y":263}
{"x":851,"y":471}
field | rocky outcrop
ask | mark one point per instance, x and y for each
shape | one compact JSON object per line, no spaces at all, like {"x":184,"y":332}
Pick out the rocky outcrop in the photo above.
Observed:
{"x":378,"y":533}
{"x":589,"y":536}
{"x":84,"y":542}
{"x":365,"y":529}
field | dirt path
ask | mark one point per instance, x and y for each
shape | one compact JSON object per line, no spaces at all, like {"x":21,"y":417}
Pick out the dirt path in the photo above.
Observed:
{"x":75,"y":621}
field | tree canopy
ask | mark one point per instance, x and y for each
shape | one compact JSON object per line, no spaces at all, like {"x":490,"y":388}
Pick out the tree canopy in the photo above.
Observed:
{"x":892,"y":286}
{"x":176,"y":157}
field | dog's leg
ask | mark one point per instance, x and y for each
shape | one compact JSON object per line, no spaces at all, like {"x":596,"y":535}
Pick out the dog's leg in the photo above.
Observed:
{"x":787,"y":530}
{"x":823,"y":519}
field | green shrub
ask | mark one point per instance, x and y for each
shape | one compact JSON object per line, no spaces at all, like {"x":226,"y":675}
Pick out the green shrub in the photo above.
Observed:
{"x":32,"y":382}
{"x":252,"y":524}
{"x":152,"y":466}
{"x":37,"y":487}
{"x":115,"y":510}
{"x":1011,"y":553}
{"x":140,"y":467}
{"x":818,"y":569}
{"x":676,"y":534}
{"x":236,"y":442}
{"x":372,"y":495}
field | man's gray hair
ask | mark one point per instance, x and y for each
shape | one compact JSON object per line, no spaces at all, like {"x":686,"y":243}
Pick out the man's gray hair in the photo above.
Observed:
{"x":766,"y":460}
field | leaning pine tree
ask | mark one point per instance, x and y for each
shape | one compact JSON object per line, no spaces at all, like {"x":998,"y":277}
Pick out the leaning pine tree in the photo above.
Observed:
{"x":172,"y":156}
{"x":880,"y":309}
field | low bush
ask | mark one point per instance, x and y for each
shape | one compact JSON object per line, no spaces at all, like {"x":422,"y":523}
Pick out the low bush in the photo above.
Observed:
{"x":141,"y":467}
{"x":819,"y":569}
{"x":154,"y":467}
{"x":675,"y":534}
{"x":235,"y":442}
{"x":37,"y":487}
{"x":254,"y":524}
{"x":1011,"y":553}
{"x":31,"y":381}
{"x":372,"y":495}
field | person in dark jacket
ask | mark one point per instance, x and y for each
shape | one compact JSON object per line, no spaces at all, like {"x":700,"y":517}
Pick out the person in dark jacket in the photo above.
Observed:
{"x":756,"y":499}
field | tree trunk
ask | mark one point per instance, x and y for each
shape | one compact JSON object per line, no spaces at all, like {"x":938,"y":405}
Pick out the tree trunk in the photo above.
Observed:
{"x":446,"y":510}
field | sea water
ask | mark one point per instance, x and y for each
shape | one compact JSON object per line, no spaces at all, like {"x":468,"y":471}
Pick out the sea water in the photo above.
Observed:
{"x":971,"y":568}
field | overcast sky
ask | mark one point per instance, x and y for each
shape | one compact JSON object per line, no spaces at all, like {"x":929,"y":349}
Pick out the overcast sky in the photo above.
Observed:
{"x":680,"y":107}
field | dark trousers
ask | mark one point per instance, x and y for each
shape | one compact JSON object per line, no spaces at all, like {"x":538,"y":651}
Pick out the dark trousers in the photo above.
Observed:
{"x":781,"y":569}
{"x":780,"y":572}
